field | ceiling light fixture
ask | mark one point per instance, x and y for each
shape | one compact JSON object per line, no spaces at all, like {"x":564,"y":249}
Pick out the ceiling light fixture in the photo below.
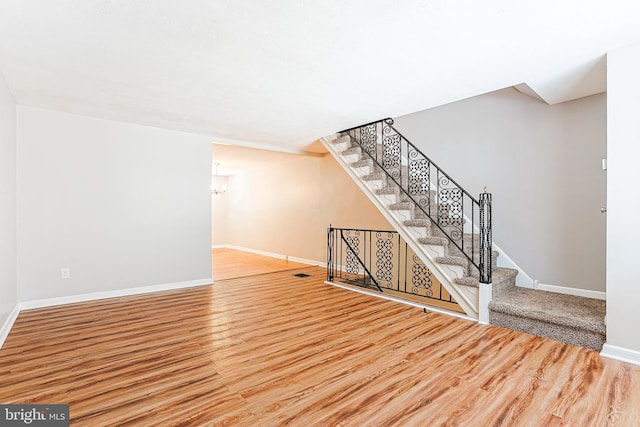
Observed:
{"x":216,"y":187}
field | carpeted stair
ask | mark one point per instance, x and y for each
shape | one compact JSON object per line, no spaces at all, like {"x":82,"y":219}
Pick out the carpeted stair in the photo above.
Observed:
{"x":416,"y":218}
{"x":566,"y":318}
{"x":570,"y":319}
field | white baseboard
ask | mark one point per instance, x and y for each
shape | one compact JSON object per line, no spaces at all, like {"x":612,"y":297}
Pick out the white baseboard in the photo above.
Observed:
{"x":8,"y":324}
{"x":308,"y":261}
{"x":50,"y":302}
{"x":620,"y":353}
{"x":272,"y":255}
{"x":256,"y":251}
{"x":570,"y":291}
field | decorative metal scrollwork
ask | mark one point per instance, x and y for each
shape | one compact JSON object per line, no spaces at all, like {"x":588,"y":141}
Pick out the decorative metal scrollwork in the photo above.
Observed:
{"x":384,"y":258}
{"x":421,"y":280}
{"x":450,"y":208}
{"x":369,"y":139}
{"x":451,"y":199}
{"x":391,"y":152}
{"x":418,"y":177}
{"x":353,"y":249}
{"x":386,"y":126}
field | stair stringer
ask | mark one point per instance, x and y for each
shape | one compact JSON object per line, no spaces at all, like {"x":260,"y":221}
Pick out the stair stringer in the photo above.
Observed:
{"x":466,"y":296}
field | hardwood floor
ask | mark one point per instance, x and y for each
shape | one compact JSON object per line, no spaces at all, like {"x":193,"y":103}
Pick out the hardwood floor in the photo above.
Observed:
{"x":274,"y":349}
{"x":230,"y":263}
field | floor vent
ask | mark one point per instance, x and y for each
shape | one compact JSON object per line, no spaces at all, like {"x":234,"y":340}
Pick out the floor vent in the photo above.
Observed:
{"x":302,"y":275}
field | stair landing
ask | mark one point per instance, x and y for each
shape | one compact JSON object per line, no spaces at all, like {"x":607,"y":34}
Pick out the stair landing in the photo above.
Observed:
{"x":566,"y":318}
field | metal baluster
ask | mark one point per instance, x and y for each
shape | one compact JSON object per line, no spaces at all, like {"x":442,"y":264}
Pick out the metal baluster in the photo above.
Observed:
{"x":473,"y":234}
{"x":406,"y":256}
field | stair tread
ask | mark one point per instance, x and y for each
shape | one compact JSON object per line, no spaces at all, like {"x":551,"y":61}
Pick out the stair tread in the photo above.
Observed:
{"x":376,"y":176}
{"x":418,"y":222}
{"x":566,"y":310}
{"x":341,"y":140}
{"x":452,"y":260}
{"x":498,"y":275}
{"x":400,"y":206}
{"x":352,"y":150}
{"x":432,"y":240}
{"x":361,"y":163}
{"x":387,"y":190}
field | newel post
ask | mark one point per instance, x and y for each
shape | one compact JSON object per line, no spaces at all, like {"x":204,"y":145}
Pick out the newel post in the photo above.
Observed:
{"x":330,"y":254}
{"x":485,"y":237}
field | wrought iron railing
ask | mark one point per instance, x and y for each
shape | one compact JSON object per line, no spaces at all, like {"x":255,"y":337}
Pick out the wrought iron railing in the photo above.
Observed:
{"x":380,"y":260}
{"x":457,"y":215}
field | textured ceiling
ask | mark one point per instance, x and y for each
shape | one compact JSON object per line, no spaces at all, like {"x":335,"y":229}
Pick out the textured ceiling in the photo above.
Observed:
{"x":283,"y":73}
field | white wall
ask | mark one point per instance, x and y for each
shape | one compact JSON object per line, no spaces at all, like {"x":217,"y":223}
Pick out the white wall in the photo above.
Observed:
{"x":8,"y":289}
{"x":623,"y":198}
{"x":120,"y":205}
{"x":286,"y":206}
{"x":219,"y":219}
{"x":219,"y":213}
{"x":543,"y":165}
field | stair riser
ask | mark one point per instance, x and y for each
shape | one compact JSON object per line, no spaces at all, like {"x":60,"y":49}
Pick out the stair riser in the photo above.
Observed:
{"x":351,"y":158}
{"x":343,"y":138}
{"x":455,"y":271}
{"x":418,"y":232}
{"x":363,"y":170}
{"x":435,"y":251}
{"x":375,"y":185}
{"x":388,"y":199}
{"x":340,"y":147}
{"x":555,"y":332}
{"x":401,"y":215}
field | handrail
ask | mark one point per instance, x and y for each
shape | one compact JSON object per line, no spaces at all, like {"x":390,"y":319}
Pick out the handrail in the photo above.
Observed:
{"x":412,"y":172}
{"x":367,"y":124}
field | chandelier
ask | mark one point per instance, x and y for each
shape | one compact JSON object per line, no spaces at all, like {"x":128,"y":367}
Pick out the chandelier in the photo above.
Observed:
{"x":216,"y":187}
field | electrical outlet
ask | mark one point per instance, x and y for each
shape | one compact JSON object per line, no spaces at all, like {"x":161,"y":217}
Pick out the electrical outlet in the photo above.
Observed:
{"x":65,"y":273}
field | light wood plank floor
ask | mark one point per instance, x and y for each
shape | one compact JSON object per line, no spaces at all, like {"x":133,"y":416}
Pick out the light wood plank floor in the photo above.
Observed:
{"x":274,"y":349}
{"x":230,"y":263}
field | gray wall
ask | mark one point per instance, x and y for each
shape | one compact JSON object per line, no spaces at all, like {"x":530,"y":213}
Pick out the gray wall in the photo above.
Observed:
{"x":543,"y":165}
{"x":8,"y":290}
{"x":121,"y":205}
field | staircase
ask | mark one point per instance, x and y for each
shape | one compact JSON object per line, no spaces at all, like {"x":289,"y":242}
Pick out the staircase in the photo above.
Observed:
{"x":450,"y":231}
